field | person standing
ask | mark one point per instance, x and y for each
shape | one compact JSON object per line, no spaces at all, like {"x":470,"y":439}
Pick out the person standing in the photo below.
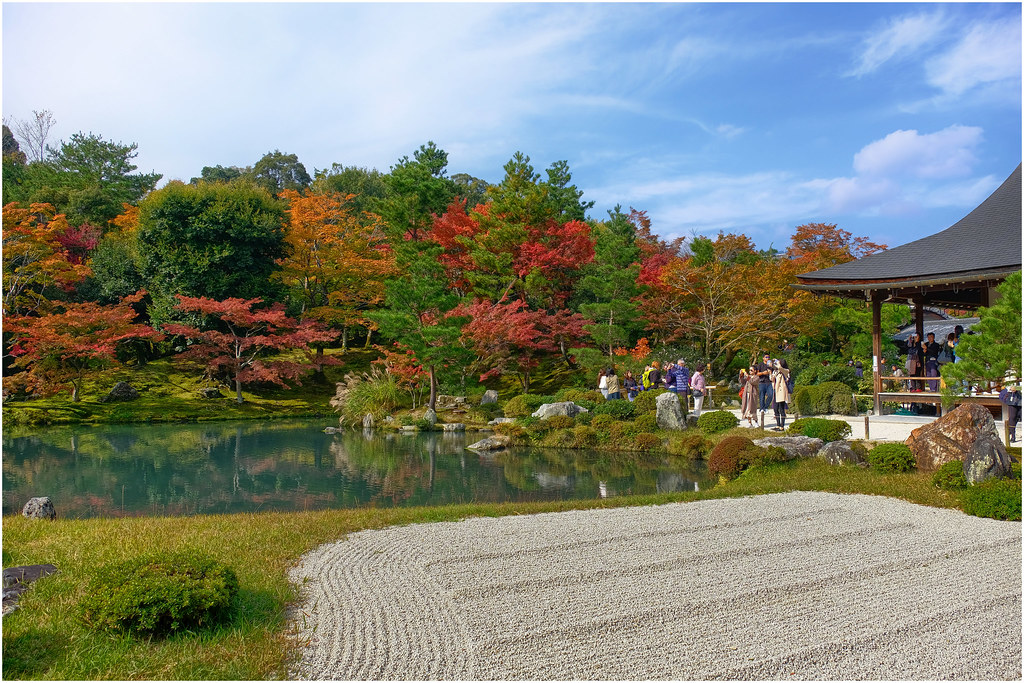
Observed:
{"x":764,"y":383}
{"x":682,"y":384}
{"x":629,"y":382}
{"x":748,"y":406}
{"x":602,"y":383}
{"x":1010,"y":397}
{"x":780,"y":384}
{"x":655,"y":376}
{"x":613,"y":384}
{"x":914,"y":364}
{"x":697,"y":387}
{"x":930,"y":352}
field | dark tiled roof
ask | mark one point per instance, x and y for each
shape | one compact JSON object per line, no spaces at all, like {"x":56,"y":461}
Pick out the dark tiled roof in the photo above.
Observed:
{"x":986,"y":239}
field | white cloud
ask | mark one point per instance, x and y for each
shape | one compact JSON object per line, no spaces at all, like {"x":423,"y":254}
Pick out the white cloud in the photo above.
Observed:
{"x":990,"y":52}
{"x":945,"y":154}
{"x":901,"y":37}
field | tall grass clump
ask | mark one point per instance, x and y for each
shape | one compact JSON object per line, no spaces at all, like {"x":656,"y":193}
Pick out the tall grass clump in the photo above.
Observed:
{"x":376,"y":393}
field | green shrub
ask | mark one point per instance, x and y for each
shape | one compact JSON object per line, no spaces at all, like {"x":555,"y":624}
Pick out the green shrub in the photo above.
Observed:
{"x":950,"y":476}
{"x":891,"y":457}
{"x":620,"y":410}
{"x":821,"y":428}
{"x":377,"y":394}
{"x":800,"y":402}
{"x":716,"y":421}
{"x":995,"y":498}
{"x":528,"y":421}
{"x":523,"y":405}
{"x":646,"y":401}
{"x":646,"y":441}
{"x":648,"y":422}
{"x":602,"y":422}
{"x":575,"y":394}
{"x":423,"y":424}
{"x":584,"y":418}
{"x":158,"y":594}
{"x":559,"y":422}
{"x":817,"y":374}
{"x":690,"y":444}
{"x":584,"y":436}
{"x":516,"y":431}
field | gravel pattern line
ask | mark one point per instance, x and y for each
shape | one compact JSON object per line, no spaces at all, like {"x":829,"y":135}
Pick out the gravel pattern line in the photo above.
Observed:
{"x":813,"y":586}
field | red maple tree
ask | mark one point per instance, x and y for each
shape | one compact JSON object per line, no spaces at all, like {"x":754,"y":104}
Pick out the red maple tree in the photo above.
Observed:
{"x":63,"y":346}
{"x":243,"y":335}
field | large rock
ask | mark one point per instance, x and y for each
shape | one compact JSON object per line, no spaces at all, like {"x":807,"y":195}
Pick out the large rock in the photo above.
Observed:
{"x":368,"y":421}
{"x":670,"y":413}
{"x":122,"y":391}
{"x":953,"y":437}
{"x":430,"y":416}
{"x":446,"y":402}
{"x":564,"y":408}
{"x":986,"y":459}
{"x":841,"y":453}
{"x":490,"y":396}
{"x":210,"y":392}
{"x":795,"y":446}
{"x":501,"y":420}
{"x":453,"y":427}
{"x":17,"y":579}
{"x":39,"y":508}
{"x":492,"y":443}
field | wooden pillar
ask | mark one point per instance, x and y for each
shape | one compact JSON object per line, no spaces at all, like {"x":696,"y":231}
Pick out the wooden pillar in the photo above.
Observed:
{"x":919,"y":317}
{"x":876,"y":347}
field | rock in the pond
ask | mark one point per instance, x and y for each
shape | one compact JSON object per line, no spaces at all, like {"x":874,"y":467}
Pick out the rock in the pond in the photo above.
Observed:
{"x":670,"y":413}
{"x":333,"y":430}
{"x":368,"y":421}
{"x":490,"y":396}
{"x":39,"y":508}
{"x":122,"y":391}
{"x":491,"y":443}
{"x":453,"y":427}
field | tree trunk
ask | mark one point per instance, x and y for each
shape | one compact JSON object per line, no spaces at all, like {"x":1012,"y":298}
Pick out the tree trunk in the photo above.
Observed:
{"x":433,"y":390}
{"x":75,"y":398}
{"x":565,"y":355}
{"x":369,"y":333}
{"x":344,"y":338}
{"x":238,"y":390}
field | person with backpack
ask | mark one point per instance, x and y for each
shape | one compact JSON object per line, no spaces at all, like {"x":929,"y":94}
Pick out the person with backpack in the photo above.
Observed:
{"x":645,"y":379}
{"x":654,"y":375}
{"x":782,"y":387}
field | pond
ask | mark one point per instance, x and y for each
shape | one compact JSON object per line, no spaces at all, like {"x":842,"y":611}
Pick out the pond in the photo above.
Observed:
{"x":289,"y":465}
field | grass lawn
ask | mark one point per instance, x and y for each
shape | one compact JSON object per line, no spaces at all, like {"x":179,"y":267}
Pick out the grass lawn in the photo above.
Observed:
{"x":44,"y":639}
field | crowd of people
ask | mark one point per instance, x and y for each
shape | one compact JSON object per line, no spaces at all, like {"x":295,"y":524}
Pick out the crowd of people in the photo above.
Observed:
{"x":766,"y":385}
{"x":675,"y":377}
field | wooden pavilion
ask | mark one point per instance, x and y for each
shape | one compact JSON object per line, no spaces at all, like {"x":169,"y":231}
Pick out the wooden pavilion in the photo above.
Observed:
{"x":958,"y":267}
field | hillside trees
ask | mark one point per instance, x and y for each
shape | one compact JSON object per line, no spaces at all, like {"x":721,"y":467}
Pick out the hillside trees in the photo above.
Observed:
{"x":210,"y":240}
{"x":993,"y":352}
{"x":59,"y":347}
{"x":240,"y":332}
{"x":276,"y":172}
{"x":337,"y":259}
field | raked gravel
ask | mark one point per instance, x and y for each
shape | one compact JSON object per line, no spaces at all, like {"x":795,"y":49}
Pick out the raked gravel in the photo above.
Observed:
{"x":784,"y":586}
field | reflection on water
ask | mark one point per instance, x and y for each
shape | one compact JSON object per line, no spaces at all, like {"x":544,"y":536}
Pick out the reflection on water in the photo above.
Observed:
{"x":131,"y":470}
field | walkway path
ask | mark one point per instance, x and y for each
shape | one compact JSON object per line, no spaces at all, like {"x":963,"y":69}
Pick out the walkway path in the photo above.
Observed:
{"x":796,"y":585}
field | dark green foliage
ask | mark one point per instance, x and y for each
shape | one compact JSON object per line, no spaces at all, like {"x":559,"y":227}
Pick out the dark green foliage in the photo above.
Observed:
{"x":584,"y":418}
{"x":276,"y":171}
{"x":830,"y":398}
{"x":523,"y":405}
{"x":995,"y":498}
{"x":646,"y":401}
{"x":816,"y":374}
{"x":716,"y":421}
{"x":211,"y":240}
{"x":602,"y":422}
{"x":891,"y":457}
{"x":584,"y":436}
{"x":159,"y":594}
{"x":620,"y":409}
{"x":510,"y":429}
{"x":646,"y":441}
{"x":821,"y":428}
{"x":423,"y":424}
{"x":576,"y":394}
{"x":690,"y":444}
{"x":648,"y":422}
{"x":950,"y":476}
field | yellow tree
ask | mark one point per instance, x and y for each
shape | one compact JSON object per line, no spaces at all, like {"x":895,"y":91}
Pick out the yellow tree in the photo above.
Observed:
{"x":338,"y":259}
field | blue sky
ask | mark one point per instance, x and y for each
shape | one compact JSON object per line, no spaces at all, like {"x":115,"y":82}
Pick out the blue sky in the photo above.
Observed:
{"x":891,"y":120}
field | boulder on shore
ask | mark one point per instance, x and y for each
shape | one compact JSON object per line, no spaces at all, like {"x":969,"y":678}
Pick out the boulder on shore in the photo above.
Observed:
{"x":670,"y":412}
{"x":967,"y":433}
{"x":563,"y":408}
{"x":368,"y":421}
{"x":795,"y":446}
{"x":39,"y":508}
{"x":122,"y":391}
{"x":492,"y":443}
{"x":490,"y":396}
{"x":841,"y":453}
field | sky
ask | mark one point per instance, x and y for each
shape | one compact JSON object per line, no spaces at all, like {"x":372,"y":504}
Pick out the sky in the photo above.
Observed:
{"x":891,"y":121}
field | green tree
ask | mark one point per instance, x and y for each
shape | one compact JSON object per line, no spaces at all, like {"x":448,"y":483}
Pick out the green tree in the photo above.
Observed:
{"x":473,"y":190}
{"x":209,"y":240}
{"x":605,"y":292}
{"x":89,"y":179}
{"x":221,"y":174}
{"x":563,"y":196}
{"x":367,"y":187}
{"x":994,"y":350}
{"x":418,"y":190}
{"x":277,"y":172}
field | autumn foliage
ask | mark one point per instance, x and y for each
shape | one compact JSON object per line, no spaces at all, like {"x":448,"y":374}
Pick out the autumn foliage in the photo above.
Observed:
{"x":241,"y":334}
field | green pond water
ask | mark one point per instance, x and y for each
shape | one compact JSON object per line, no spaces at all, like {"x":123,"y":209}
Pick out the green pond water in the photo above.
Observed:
{"x":227,"y":467}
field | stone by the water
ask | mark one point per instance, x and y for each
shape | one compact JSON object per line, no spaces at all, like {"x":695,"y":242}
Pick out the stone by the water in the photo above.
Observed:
{"x":670,"y":412}
{"x":795,"y":446}
{"x":39,"y":508}
{"x":490,"y":396}
{"x":562,"y":408}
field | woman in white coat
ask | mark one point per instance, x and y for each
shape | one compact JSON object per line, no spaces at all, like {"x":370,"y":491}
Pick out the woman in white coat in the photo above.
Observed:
{"x":780,"y":382}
